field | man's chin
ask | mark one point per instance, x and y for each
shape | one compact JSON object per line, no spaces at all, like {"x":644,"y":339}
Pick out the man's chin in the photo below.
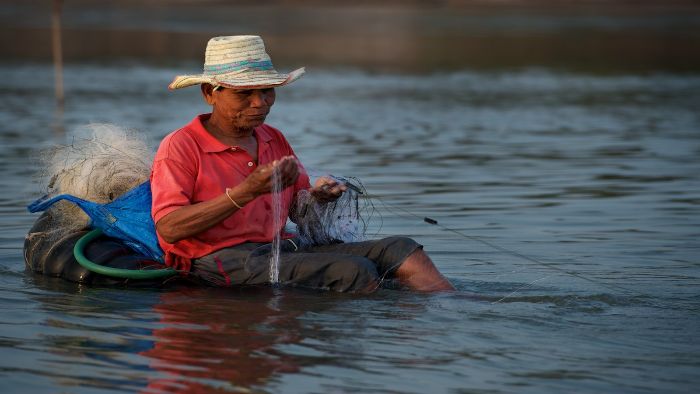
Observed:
{"x":255,"y":122}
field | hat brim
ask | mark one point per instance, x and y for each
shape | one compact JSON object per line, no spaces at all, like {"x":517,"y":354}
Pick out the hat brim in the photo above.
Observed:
{"x":236,"y":81}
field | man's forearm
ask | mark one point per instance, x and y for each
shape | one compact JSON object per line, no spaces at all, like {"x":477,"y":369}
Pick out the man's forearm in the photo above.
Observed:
{"x":190,"y":220}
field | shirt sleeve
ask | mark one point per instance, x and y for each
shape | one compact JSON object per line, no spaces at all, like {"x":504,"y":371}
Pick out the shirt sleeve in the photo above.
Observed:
{"x":172,"y":186}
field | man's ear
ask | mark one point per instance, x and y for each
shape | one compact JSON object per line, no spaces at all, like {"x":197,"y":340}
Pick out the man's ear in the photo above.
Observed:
{"x":208,"y":93}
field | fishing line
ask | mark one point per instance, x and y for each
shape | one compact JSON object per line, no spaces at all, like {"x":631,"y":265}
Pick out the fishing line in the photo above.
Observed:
{"x":533,"y":260}
{"x":276,"y":225}
{"x":356,"y":186}
{"x":525,"y":286}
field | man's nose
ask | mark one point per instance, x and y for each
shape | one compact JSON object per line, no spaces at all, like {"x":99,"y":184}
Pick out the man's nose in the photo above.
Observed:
{"x":258,"y":98}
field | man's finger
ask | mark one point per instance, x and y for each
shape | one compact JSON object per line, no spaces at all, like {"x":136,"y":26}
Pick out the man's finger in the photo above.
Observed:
{"x":287,"y":165}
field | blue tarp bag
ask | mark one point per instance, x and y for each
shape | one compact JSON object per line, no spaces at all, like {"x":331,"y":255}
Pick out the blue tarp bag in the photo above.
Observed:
{"x":128,"y":218}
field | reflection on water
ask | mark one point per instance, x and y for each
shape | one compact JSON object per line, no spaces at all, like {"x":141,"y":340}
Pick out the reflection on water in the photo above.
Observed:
{"x":210,"y":336}
{"x":595,"y":175}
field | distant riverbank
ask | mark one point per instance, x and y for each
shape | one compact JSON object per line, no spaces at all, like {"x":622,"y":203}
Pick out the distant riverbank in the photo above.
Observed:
{"x":431,"y":36}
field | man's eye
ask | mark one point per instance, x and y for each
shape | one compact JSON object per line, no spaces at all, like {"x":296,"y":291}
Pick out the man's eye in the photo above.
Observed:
{"x":244,"y":92}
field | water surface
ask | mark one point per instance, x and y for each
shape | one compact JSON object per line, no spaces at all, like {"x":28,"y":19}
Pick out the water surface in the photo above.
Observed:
{"x":594,"y":176}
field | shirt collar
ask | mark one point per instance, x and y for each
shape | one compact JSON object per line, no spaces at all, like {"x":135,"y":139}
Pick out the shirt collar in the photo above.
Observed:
{"x":210,"y":144}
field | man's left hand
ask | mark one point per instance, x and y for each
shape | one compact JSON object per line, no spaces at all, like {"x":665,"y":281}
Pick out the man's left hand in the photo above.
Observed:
{"x":327,"y":189}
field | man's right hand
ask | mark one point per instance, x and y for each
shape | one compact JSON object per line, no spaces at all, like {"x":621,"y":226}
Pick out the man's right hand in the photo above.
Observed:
{"x":259,"y":182}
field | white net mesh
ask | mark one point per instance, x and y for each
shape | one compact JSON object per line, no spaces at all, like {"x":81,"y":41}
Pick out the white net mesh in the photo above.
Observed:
{"x":102,"y":162}
{"x":342,"y":220}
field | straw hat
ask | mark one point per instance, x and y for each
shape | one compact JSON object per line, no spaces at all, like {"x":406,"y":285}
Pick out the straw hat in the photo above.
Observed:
{"x":237,"y":62}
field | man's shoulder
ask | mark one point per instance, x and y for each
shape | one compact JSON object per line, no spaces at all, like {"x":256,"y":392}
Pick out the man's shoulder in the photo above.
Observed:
{"x":270,"y":129}
{"x":176,"y":144}
{"x":183,"y":134}
{"x":270,"y":133}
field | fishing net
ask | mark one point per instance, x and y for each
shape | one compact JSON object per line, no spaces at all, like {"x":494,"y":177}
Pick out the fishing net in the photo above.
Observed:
{"x":343,"y":220}
{"x":101,"y":163}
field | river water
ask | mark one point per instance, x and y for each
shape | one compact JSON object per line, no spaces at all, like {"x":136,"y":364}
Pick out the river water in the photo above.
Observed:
{"x":595,"y":179}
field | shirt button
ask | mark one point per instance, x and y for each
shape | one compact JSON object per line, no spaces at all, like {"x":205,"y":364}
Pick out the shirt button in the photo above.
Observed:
{"x":250,"y":164}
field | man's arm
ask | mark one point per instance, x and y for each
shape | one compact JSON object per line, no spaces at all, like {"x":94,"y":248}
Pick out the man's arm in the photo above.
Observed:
{"x":190,"y":220}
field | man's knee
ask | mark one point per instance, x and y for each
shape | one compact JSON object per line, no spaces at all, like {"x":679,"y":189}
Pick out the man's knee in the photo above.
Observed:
{"x":401,"y":245}
{"x":389,"y":253}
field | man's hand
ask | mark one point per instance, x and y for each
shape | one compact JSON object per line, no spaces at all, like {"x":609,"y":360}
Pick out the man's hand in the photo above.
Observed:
{"x":260,"y":181}
{"x":327,"y":189}
{"x":190,"y":220}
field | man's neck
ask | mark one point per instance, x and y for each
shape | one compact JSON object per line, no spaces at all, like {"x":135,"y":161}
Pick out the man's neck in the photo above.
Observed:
{"x":224,"y":131}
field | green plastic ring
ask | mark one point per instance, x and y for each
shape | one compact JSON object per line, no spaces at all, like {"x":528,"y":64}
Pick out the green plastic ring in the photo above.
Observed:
{"x":114,"y":272}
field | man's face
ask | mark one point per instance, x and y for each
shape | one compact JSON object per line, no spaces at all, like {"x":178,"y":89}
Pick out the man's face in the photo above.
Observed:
{"x":243,"y":108}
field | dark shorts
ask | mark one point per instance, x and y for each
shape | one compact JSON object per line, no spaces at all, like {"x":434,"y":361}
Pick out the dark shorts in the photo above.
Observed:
{"x":356,"y":266}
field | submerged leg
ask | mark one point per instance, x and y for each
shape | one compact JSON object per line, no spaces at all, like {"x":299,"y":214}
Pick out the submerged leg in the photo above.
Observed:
{"x":396,"y":257}
{"x":249,"y":264}
{"x":336,"y":272}
{"x":419,"y":273}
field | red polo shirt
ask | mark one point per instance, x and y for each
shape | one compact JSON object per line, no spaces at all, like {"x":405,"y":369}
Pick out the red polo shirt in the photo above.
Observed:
{"x":192,"y":166}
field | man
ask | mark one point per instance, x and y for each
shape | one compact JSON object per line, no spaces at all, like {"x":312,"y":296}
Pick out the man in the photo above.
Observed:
{"x":212,"y":179}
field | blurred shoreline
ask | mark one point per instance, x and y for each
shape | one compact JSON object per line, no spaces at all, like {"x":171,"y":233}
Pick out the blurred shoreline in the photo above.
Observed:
{"x":414,"y":36}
